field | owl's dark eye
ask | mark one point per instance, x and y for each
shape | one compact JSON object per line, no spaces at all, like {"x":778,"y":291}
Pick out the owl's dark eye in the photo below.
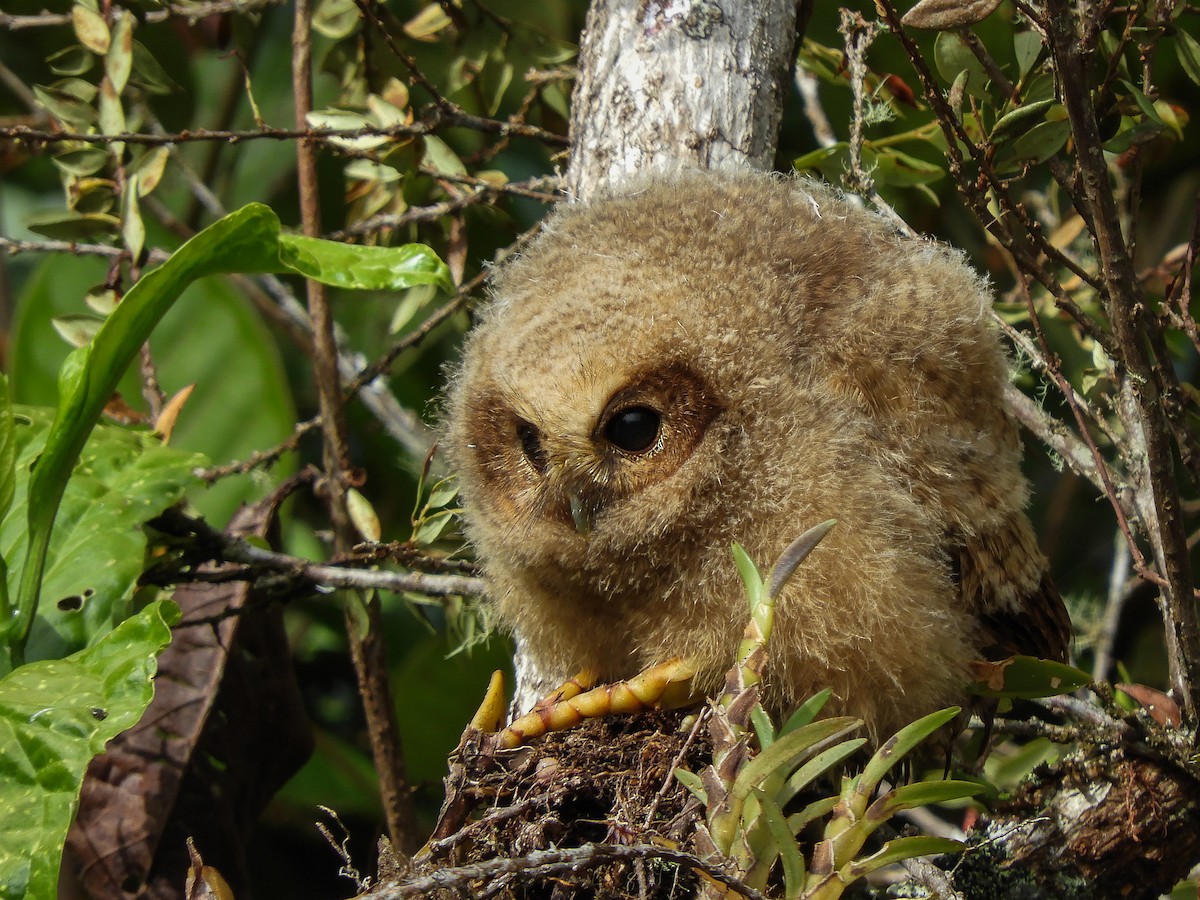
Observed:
{"x":633,"y":429}
{"x":531,"y":445}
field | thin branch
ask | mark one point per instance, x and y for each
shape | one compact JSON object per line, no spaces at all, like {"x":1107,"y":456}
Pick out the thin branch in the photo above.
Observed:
{"x":1118,"y":594}
{"x":438,"y":119}
{"x":191,"y":12}
{"x":224,"y":548}
{"x":75,"y":248}
{"x":547,"y":863}
{"x":807,"y":86}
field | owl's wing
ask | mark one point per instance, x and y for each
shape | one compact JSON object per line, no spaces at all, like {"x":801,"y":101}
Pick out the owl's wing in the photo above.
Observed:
{"x":1003,"y":578}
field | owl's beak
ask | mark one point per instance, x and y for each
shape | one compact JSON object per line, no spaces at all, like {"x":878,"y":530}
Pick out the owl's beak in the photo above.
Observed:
{"x":581,"y":512}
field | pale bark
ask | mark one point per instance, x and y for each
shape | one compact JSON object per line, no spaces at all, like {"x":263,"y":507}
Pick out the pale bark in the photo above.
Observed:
{"x":665,"y":84}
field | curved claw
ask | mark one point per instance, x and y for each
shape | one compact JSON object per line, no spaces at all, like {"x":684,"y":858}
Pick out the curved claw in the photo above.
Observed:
{"x":490,"y":715}
{"x":665,"y":685}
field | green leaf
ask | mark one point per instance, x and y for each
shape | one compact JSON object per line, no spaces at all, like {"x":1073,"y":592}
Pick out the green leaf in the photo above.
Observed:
{"x":8,"y":482}
{"x":764,"y":728}
{"x":1041,"y":142}
{"x":124,"y":477}
{"x":75,"y":226}
{"x":897,"y":850}
{"x":65,"y":106}
{"x":133,"y":229}
{"x":785,"y":847}
{"x":814,"y":810}
{"x":1020,"y":115}
{"x":148,"y":73}
{"x":78,"y":329}
{"x":749,"y":572}
{"x":807,"y":711}
{"x":119,"y":60}
{"x":923,"y":793}
{"x":90,"y":28}
{"x":335,"y":19}
{"x":952,"y":56}
{"x":1027,"y":677}
{"x":248,"y":240}
{"x":693,"y":783}
{"x":814,"y":158}
{"x":1187,"y":48}
{"x":83,"y":162}
{"x":243,"y":241}
{"x":241,"y":402}
{"x":74,"y":60}
{"x":779,"y":759}
{"x":363,"y":268}
{"x":54,"y":717}
{"x":819,"y":764}
{"x":899,"y":745}
{"x":1027,"y":46}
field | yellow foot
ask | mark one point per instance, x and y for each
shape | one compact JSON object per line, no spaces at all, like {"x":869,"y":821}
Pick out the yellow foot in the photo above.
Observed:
{"x":666,"y":685}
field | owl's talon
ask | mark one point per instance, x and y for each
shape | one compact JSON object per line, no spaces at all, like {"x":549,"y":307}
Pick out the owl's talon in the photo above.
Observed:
{"x":490,"y":715}
{"x":573,"y":687}
{"x":663,"y":686}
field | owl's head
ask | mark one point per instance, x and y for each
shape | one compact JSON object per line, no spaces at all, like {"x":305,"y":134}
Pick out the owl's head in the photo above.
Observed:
{"x":608,"y":398}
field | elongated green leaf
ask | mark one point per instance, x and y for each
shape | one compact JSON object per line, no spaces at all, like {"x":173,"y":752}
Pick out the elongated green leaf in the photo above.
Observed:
{"x":692,"y":782}
{"x":822,"y":762}
{"x":249,"y":241}
{"x":910,"y":796}
{"x":899,"y":745}
{"x":1027,"y":677}
{"x":764,"y":728}
{"x":899,"y":849}
{"x":781,"y":756}
{"x":807,"y":711}
{"x":1022,"y":114}
{"x":8,"y":482}
{"x":54,"y":717}
{"x":785,"y":847}
{"x":750,"y":576}
{"x":363,"y":268}
{"x":814,"y":810}
{"x":1187,"y":48}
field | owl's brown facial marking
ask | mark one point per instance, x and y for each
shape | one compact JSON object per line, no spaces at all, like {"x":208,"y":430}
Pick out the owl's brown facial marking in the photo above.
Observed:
{"x":645,"y":431}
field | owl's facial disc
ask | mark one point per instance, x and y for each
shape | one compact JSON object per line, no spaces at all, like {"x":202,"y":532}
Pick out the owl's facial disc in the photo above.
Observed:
{"x":556,"y":462}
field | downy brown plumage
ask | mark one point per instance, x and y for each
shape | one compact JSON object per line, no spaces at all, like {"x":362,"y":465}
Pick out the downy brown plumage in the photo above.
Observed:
{"x":707,"y":358}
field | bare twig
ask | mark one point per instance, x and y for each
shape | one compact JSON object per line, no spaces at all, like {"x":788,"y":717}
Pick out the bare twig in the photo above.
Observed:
{"x":439,"y":119}
{"x":1118,"y":594}
{"x":190,"y":12}
{"x":547,"y":863}
{"x":13,"y":247}
{"x":221,"y":547}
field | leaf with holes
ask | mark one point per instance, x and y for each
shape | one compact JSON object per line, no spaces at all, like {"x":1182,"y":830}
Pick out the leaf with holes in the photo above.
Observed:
{"x":55,"y":716}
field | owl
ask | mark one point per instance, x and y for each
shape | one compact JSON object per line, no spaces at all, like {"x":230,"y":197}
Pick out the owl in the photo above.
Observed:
{"x":704,"y":358}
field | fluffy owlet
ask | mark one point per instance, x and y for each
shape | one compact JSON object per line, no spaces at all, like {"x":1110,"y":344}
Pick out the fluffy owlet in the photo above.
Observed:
{"x":707,"y":358}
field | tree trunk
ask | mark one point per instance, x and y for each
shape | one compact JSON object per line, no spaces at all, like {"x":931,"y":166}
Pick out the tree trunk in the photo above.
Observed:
{"x":665,"y":84}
